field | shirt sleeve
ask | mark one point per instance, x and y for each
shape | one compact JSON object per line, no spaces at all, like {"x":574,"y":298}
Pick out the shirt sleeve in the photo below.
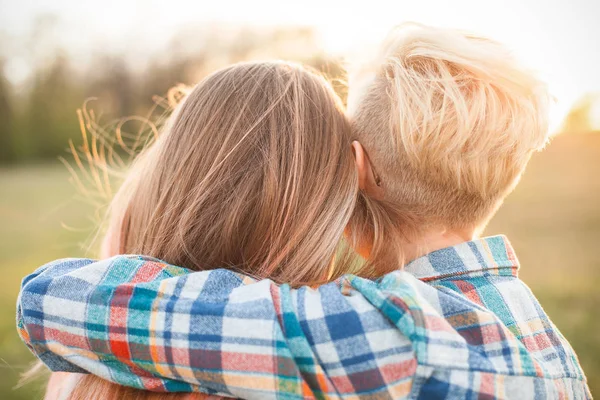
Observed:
{"x":142,"y":323}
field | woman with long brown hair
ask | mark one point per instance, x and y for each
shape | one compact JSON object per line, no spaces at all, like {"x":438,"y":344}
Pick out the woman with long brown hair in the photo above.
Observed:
{"x":254,"y":172}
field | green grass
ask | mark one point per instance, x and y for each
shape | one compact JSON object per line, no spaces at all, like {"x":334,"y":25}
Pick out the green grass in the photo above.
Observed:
{"x":552,"y":219}
{"x":40,"y":221}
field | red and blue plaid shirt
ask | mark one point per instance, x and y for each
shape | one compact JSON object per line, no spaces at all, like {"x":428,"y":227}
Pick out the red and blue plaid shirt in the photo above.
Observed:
{"x":456,"y":323}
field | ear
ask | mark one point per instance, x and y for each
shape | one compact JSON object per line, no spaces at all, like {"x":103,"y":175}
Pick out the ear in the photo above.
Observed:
{"x":367,"y":180}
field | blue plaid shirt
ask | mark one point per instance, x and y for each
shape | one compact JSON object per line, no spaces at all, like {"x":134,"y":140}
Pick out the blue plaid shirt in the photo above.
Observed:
{"x":456,"y":323}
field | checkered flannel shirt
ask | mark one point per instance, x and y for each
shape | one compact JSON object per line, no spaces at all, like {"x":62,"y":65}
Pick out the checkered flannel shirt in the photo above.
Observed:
{"x":456,"y":323}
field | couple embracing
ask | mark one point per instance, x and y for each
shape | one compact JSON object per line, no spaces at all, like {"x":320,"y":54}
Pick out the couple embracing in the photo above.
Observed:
{"x":271,"y":244}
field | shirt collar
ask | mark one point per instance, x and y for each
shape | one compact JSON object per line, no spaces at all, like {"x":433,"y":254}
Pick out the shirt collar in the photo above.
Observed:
{"x":492,"y":253}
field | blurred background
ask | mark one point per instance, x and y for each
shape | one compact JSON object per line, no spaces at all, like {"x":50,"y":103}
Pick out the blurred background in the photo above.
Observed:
{"x":123,"y":56}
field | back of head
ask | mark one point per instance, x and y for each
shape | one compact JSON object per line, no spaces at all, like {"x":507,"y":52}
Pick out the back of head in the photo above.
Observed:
{"x":253,"y":173}
{"x":449,"y":121}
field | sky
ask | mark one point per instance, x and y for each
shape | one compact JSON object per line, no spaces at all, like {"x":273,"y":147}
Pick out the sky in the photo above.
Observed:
{"x":559,"y":39}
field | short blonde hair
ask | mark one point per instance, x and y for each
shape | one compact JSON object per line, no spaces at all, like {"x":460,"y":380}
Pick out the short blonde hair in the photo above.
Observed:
{"x":449,"y":121}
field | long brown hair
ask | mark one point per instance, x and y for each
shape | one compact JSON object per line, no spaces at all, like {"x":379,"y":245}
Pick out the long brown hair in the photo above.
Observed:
{"x":253,"y":172}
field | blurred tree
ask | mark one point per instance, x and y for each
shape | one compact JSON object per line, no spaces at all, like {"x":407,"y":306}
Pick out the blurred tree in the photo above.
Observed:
{"x":579,"y":119}
{"x":6,"y":121}
{"x":49,"y":119}
{"x":43,"y":119}
{"x":112,"y":85}
{"x":159,"y":78}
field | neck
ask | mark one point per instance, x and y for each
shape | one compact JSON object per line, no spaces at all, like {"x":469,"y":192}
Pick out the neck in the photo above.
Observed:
{"x":435,"y":239}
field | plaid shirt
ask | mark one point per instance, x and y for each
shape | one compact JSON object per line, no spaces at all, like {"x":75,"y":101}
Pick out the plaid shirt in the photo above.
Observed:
{"x":456,"y":323}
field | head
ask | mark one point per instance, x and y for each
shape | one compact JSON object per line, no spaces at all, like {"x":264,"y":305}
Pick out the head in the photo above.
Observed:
{"x":448,"y":121}
{"x":253,"y":172}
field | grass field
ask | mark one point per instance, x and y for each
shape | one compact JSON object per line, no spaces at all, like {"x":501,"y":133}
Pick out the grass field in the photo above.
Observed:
{"x":552,"y":219}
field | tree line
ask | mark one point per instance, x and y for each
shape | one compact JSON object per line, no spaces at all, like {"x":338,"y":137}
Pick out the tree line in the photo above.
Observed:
{"x":38,"y":119}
